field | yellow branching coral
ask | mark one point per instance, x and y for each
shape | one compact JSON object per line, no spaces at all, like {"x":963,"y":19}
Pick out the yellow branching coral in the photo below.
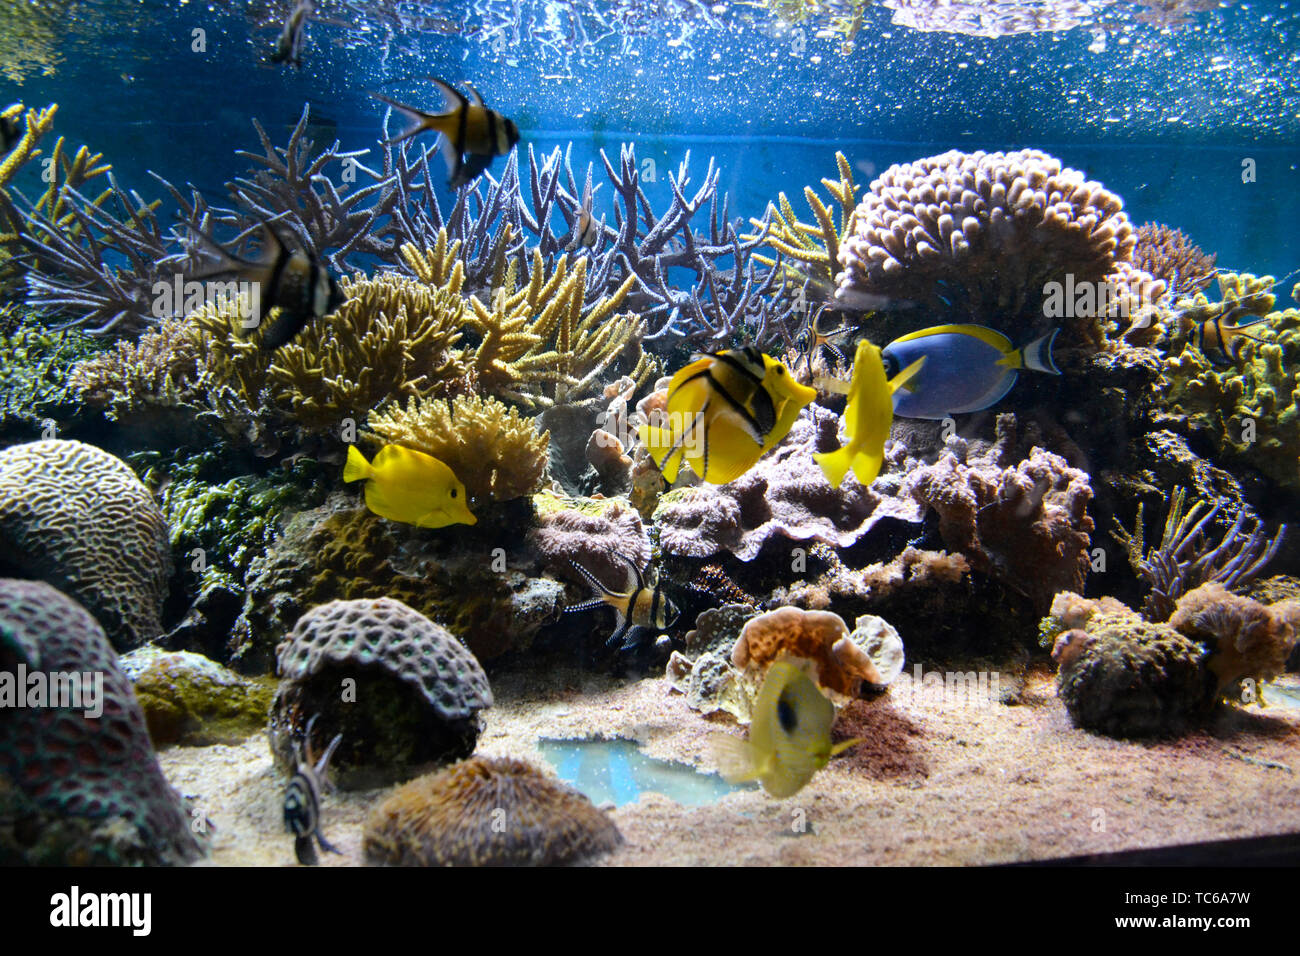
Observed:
{"x":36,"y":123}
{"x":435,"y":264}
{"x":392,"y":338}
{"x":816,"y":247}
{"x":495,"y":452}
{"x":1251,"y":408}
{"x":542,"y":345}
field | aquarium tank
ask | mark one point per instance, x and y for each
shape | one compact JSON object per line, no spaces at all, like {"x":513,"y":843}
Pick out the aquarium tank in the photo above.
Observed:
{"x":755,"y":432}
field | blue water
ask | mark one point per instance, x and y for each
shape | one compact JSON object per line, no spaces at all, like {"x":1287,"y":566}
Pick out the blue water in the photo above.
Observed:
{"x":617,"y":772}
{"x":1162,"y":116}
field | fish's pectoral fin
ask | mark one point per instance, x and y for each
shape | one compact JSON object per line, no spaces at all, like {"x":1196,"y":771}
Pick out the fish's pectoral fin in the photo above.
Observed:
{"x":325,"y":844}
{"x":734,"y":757}
{"x":845,"y":745}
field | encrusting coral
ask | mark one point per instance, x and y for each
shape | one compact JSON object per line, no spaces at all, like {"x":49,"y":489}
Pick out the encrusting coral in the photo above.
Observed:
{"x":79,"y":518}
{"x":403,"y":692}
{"x":841,"y":665}
{"x":981,"y":235}
{"x":77,"y":787}
{"x":487,"y":811}
{"x":496,"y":454}
{"x":593,"y":539}
{"x":1248,"y":410}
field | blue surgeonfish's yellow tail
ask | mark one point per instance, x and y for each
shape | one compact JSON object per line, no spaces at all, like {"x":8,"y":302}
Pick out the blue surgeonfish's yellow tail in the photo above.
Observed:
{"x":1037,"y":355}
{"x":356,"y":467}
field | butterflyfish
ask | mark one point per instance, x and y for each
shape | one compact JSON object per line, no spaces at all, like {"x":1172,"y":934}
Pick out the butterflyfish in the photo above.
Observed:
{"x":724,"y":411}
{"x":789,"y":735}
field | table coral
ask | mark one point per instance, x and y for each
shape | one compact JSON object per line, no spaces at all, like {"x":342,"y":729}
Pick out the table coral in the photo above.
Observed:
{"x":77,"y":789}
{"x":980,"y":235}
{"x":487,"y":811}
{"x":497,"y":454}
{"x":79,"y":518}
{"x":403,"y":692}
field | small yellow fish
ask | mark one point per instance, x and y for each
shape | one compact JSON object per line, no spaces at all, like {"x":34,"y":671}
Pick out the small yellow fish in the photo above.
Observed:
{"x":409,"y":486}
{"x":725,"y":411}
{"x":789,"y":738}
{"x":866,"y":418}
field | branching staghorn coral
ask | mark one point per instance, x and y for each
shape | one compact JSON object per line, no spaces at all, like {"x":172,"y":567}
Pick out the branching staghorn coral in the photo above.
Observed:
{"x":490,"y":448}
{"x":815,"y":248}
{"x":1185,"y":559}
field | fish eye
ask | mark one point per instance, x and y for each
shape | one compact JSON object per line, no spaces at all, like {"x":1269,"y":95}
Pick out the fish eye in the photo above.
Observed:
{"x":453,"y":492}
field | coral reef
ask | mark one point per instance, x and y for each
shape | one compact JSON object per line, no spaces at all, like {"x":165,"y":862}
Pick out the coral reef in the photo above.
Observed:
{"x":487,"y":812}
{"x":1249,"y":412}
{"x":190,"y":700}
{"x":79,"y":518}
{"x":703,"y":672}
{"x":841,"y":664}
{"x":1248,"y":642}
{"x":816,"y":249}
{"x":1027,"y":525}
{"x":784,"y":495}
{"x":1168,"y":254}
{"x":78,"y":787}
{"x":495,"y":453}
{"x":403,"y":692}
{"x":980,"y":235}
{"x":591,"y":538}
{"x":35,"y":377}
{"x":1184,"y":559}
{"x":1125,"y":677}
{"x":493,"y":600}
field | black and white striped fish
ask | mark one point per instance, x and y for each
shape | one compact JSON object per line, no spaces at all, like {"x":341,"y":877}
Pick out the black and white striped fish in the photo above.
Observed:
{"x":297,"y":282}
{"x":586,"y":230}
{"x":641,"y":605}
{"x":288,"y":48}
{"x":302,"y":802}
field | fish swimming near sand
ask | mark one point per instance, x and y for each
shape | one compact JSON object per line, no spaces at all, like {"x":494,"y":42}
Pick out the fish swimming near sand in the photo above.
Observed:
{"x":642,"y":604}
{"x":789,"y":735}
{"x":724,"y":411}
{"x":406,"y":485}
{"x":967,"y":368}
{"x":302,"y":801}
{"x":867,"y":417}
{"x":296,"y":283}
{"x":472,"y":134}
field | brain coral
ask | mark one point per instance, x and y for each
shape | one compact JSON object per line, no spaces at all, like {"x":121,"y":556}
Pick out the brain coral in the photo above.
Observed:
{"x":414,"y":700}
{"x":981,"y":234}
{"x":79,"y":518}
{"x":487,"y":812}
{"x":90,"y":784}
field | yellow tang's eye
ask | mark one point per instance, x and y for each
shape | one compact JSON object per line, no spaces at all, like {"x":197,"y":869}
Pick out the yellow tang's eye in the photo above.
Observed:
{"x":780,"y":370}
{"x":453,"y":492}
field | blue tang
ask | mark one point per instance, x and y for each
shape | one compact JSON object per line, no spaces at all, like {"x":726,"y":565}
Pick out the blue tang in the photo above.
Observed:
{"x":967,"y":368}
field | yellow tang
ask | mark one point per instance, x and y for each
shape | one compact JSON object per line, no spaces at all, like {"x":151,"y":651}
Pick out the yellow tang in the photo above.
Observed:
{"x":725,"y":410}
{"x":867,"y":417}
{"x":789,"y":738}
{"x":409,"y":486}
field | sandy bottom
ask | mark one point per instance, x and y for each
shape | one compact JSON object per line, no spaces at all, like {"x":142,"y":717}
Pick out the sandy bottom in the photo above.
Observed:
{"x":937,"y":782}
